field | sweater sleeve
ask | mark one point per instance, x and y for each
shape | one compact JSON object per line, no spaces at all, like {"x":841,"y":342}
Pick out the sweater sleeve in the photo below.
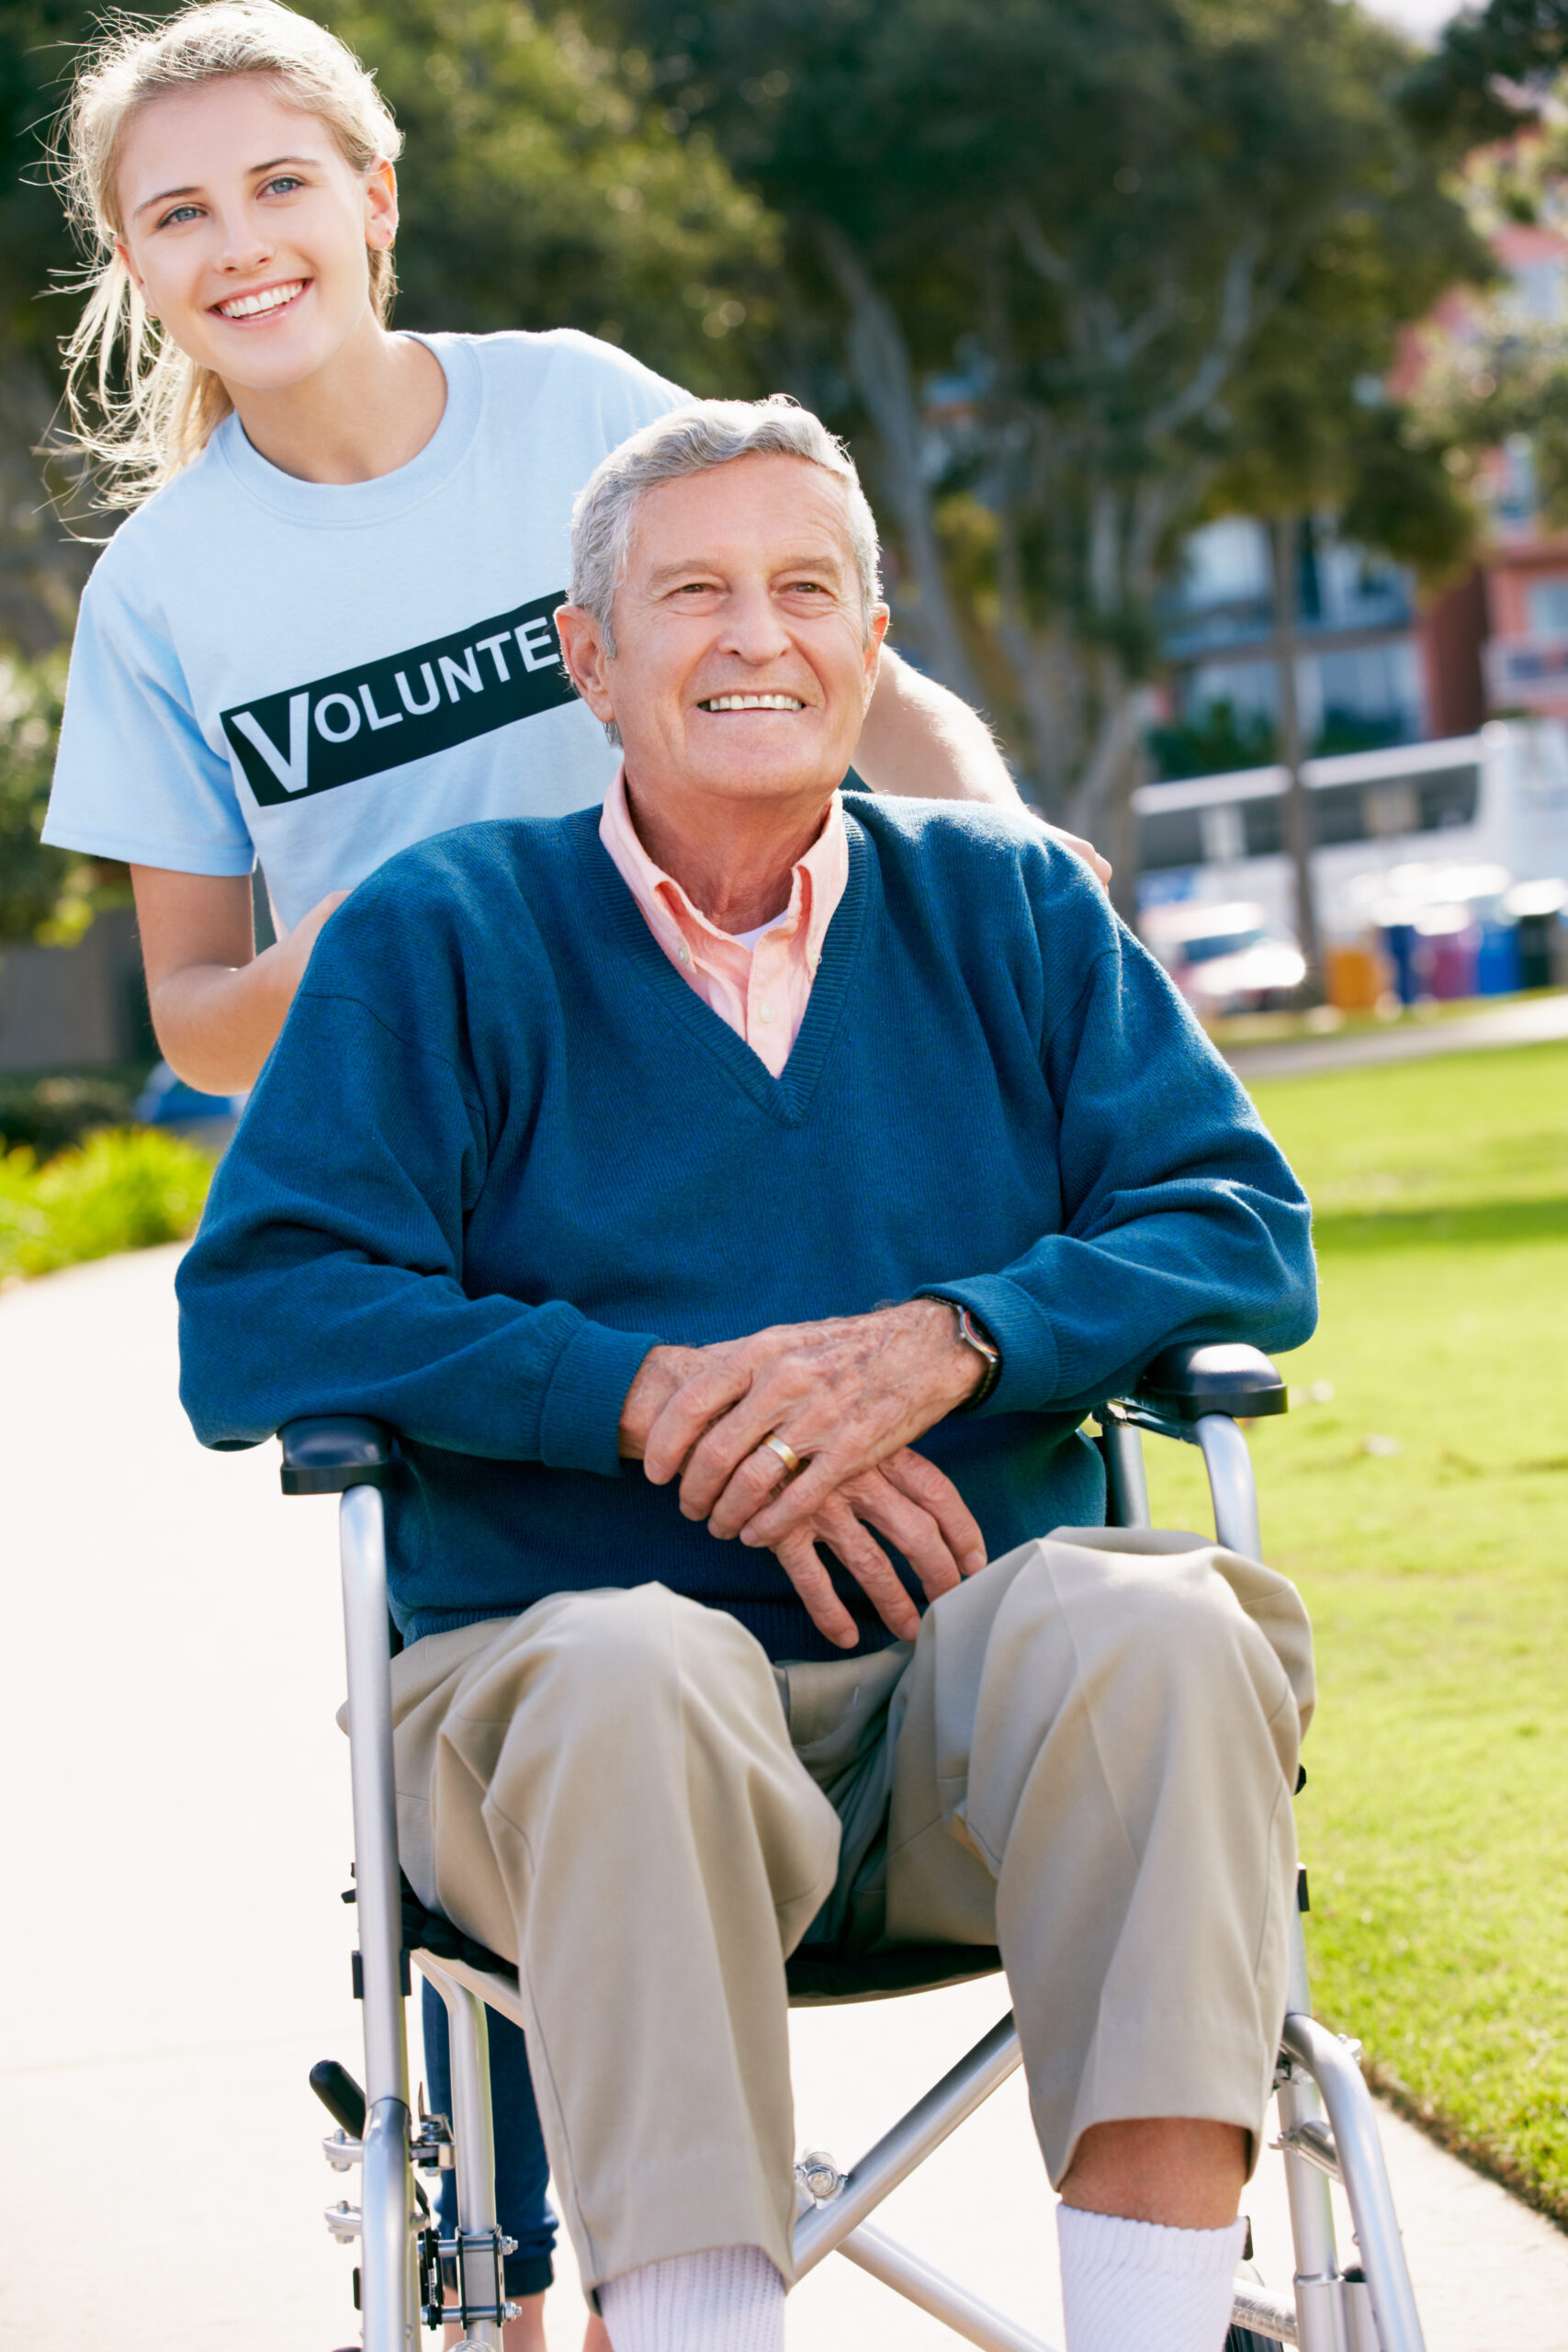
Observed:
{"x":1180,"y":1218}
{"x":327,"y":1276}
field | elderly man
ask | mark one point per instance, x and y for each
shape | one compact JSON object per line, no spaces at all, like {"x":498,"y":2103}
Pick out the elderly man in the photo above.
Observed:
{"x":827,"y":1158}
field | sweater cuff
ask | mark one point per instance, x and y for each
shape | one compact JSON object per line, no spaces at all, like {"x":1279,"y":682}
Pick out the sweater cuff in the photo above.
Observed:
{"x":1022,"y":1332}
{"x":579,"y":1427}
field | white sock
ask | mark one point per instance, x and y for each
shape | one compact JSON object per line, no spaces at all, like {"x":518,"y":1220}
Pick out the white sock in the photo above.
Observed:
{"x":727,"y":2299}
{"x":1139,"y":2287}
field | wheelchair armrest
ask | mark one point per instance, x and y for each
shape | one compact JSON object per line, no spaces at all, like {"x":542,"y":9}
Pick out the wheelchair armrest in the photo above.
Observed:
{"x":1184,"y":1382}
{"x":328,"y":1453}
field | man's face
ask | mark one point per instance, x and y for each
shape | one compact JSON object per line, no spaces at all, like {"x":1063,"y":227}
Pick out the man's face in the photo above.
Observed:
{"x":743,"y":664}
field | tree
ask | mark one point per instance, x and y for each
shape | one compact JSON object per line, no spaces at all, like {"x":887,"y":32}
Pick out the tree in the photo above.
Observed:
{"x":46,"y":894}
{"x":41,"y":567}
{"x":1491,"y":65}
{"x":1076,"y":275}
{"x":543,"y":186}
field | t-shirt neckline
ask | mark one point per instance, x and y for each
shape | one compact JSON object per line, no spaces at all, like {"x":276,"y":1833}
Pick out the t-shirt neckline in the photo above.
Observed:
{"x":351,"y":505}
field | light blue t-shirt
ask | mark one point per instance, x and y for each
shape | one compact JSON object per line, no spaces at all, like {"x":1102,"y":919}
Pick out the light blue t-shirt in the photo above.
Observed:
{"x":321,"y":673}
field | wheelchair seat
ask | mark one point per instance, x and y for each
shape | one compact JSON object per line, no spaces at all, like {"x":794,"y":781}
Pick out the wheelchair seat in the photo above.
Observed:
{"x":816,"y":1976}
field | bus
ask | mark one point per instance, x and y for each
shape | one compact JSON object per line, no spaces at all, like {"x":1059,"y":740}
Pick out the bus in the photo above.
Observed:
{"x":1422,"y":843}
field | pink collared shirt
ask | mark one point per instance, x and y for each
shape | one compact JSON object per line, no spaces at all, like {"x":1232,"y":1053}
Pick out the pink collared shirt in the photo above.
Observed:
{"x":760,"y":984}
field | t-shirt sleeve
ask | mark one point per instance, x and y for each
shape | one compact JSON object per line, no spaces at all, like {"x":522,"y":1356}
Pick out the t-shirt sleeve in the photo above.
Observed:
{"x":135,"y":777}
{"x":628,"y":394}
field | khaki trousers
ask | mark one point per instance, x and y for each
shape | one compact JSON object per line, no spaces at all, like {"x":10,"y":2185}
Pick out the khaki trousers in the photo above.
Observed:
{"x":1087,"y":1758}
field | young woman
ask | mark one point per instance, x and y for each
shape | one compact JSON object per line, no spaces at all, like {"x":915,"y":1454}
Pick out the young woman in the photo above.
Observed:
{"x":326,"y":629}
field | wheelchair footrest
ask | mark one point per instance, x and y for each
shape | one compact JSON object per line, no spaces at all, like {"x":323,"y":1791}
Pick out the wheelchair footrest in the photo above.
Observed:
{"x":1261,"y":2313}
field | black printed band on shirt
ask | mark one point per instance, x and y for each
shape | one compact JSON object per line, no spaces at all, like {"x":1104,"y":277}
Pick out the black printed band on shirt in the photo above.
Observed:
{"x":358,"y":722}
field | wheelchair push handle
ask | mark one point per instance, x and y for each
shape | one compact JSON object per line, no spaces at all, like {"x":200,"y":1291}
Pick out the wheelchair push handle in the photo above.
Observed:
{"x":1224,"y":1376}
{"x":327,"y":1453}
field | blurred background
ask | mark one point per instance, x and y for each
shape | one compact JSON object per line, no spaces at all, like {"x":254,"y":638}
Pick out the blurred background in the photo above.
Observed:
{"x":1207,"y":360}
{"x":1207,"y":364}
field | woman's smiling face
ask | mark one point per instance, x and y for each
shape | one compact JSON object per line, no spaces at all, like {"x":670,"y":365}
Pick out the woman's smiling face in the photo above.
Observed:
{"x":246,"y":229}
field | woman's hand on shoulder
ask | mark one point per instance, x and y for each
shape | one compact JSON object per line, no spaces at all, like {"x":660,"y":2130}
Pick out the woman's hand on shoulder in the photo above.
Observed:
{"x":1101,"y":867}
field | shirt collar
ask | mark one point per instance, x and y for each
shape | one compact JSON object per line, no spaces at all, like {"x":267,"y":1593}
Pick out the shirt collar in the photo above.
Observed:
{"x":818,"y":882}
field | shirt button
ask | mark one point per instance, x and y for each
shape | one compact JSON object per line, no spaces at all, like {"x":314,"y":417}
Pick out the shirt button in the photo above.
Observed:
{"x":764,"y":1012}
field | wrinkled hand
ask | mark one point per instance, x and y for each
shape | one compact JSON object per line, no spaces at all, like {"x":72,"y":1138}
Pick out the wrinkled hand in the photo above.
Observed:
{"x":914,"y":1504}
{"x":846,"y":1396}
{"x":1101,"y":867}
{"x":905,"y":1497}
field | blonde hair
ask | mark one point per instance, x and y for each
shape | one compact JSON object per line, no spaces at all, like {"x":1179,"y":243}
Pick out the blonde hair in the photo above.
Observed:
{"x":163,"y":408}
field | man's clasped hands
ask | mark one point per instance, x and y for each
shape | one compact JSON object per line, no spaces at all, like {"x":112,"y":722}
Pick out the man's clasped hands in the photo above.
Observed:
{"x":847,"y":1397}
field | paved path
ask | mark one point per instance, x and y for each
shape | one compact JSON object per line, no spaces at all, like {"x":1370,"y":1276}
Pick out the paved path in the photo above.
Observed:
{"x":176,"y":1811}
{"x":1535,"y":1021}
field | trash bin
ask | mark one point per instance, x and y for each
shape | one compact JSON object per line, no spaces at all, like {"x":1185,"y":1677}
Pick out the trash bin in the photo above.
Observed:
{"x":1538,"y":908}
{"x":1497,"y":960}
{"x":1409,"y":955}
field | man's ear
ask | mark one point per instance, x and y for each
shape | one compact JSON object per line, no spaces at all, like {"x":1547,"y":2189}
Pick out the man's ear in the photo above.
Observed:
{"x":587,"y":663}
{"x":876,"y":629}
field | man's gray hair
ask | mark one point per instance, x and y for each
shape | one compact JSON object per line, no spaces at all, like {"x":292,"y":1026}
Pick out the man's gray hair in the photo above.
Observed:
{"x":691,"y":441}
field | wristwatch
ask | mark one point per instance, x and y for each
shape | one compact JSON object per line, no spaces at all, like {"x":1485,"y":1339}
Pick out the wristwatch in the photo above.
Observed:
{"x":985,"y":1348}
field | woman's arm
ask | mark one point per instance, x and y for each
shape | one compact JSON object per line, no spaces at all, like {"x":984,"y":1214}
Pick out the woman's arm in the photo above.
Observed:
{"x":217,"y":1006}
{"x":923,"y":741}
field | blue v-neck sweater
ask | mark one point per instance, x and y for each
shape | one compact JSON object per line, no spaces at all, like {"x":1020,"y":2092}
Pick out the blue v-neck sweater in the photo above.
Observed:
{"x":501,"y":1149}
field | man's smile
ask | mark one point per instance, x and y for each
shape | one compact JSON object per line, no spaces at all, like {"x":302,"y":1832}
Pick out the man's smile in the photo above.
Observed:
{"x":751,"y":702}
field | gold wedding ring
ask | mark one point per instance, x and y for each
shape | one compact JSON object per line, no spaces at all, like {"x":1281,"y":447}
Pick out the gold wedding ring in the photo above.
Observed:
{"x":786,"y":1454}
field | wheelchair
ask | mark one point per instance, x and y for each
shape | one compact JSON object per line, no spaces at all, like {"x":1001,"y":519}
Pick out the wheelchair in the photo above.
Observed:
{"x":1197,"y":1394}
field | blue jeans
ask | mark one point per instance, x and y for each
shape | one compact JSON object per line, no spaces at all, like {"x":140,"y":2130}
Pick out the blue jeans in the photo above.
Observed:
{"x":522,"y":2169}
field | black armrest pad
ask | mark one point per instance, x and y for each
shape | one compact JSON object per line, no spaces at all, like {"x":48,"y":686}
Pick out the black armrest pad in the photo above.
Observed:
{"x":327,"y":1454}
{"x":1222,"y":1376}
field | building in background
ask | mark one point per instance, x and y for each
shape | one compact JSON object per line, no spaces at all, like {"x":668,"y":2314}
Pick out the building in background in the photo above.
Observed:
{"x":1363,"y":672}
{"x":1436,"y":729}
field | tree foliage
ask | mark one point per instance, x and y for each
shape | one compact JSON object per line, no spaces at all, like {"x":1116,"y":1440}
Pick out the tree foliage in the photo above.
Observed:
{"x":46,"y":894}
{"x":544,"y":187}
{"x":1490,"y":66}
{"x":1078,"y":274}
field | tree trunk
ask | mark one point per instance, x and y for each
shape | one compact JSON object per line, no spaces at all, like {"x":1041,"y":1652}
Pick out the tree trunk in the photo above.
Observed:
{"x":1284,"y":542}
{"x":879,"y":359}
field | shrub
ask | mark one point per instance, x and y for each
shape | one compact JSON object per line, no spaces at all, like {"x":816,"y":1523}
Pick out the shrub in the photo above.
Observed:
{"x":126,"y":1188}
{"x":51,"y":1113}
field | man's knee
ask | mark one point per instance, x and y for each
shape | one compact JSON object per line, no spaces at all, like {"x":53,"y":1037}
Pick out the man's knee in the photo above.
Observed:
{"x":608,"y":1665}
{"x":1158,"y":1644}
{"x":1174,"y":1608}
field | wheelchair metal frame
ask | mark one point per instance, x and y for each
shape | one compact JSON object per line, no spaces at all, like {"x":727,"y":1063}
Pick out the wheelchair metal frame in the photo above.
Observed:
{"x":1368,"y":2307}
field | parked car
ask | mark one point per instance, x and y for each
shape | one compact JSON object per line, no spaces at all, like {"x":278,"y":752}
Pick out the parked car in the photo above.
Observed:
{"x":1225,"y":957}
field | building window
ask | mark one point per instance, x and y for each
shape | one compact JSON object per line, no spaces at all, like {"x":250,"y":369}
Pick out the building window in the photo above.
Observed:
{"x":1546,"y":601}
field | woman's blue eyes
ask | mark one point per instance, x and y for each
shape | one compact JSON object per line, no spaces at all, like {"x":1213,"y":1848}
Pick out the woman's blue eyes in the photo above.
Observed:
{"x":284,"y":184}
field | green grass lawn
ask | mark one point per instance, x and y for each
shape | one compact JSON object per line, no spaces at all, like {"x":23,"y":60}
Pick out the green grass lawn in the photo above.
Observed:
{"x":1435,"y":1824}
